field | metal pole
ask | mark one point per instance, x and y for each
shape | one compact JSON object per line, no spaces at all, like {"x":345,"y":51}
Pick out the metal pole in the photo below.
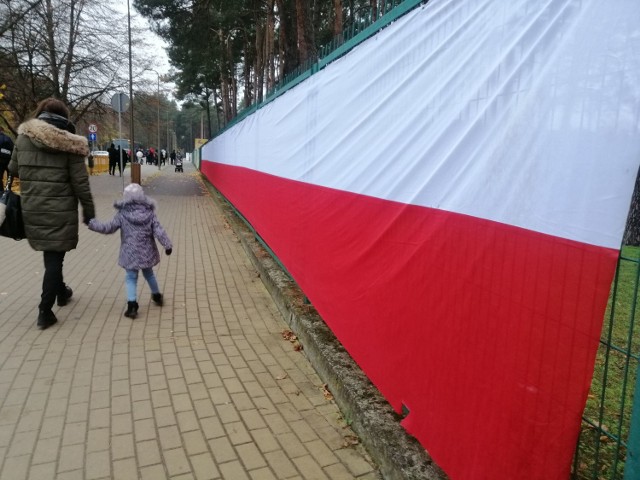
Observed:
{"x":158,"y":152}
{"x":132,"y":140}
{"x":632,"y":464}
{"x":120,"y":134}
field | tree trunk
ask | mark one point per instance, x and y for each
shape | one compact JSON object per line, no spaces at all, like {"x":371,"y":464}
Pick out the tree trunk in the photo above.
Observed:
{"x":306,"y":37}
{"x":216,"y":104}
{"x":270,"y":47}
{"x":288,"y":57}
{"x":338,"y":21}
{"x":374,"y":10}
{"x":234,"y":96}
{"x":260,"y":61}
{"x":208,"y":96}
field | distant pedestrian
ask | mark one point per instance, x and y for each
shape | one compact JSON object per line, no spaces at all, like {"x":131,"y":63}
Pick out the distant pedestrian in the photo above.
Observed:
{"x":6,"y":147}
{"x":140,"y":156}
{"x":125,"y":157}
{"x":49,"y":159}
{"x":114,"y":159}
{"x":173,"y":157}
{"x":139,"y":229}
{"x":90,"y":163}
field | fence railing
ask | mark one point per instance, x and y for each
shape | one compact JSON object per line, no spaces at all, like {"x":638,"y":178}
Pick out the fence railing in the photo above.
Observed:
{"x":609,"y":444}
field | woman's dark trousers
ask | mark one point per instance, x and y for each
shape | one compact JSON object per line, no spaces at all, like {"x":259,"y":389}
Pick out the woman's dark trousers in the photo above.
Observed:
{"x":53,"y":282}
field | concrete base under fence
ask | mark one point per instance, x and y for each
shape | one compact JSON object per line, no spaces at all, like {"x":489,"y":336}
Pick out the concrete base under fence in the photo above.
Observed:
{"x":398,"y":455}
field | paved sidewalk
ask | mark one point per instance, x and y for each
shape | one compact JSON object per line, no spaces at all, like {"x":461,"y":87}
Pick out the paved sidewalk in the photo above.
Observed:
{"x":205,"y":387}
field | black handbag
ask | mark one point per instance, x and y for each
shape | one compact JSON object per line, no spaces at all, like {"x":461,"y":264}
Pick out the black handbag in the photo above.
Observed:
{"x":12,"y":225}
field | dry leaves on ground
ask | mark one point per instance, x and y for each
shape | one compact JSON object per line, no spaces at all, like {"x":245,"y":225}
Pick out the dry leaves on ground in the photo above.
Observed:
{"x":325,"y":391}
{"x":291,"y":337}
{"x":350,"y":441}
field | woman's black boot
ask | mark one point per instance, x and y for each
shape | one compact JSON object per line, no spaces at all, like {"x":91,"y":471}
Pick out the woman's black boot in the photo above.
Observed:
{"x":132,"y":310}
{"x":64,"y":296}
{"x":46,"y":318}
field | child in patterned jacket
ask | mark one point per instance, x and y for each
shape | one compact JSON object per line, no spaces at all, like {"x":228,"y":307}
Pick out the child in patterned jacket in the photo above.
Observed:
{"x":139,"y":228}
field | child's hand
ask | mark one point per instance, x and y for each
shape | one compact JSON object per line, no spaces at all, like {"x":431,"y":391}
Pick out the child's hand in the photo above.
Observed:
{"x":168,"y":251}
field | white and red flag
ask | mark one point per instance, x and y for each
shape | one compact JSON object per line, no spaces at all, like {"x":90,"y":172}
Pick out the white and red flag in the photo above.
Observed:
{"x":451,"y":196}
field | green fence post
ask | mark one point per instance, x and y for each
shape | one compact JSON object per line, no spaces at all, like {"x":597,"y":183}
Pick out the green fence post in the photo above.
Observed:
{"x":632,"y":463}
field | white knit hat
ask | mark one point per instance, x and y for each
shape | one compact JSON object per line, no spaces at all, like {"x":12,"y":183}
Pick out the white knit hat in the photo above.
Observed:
{"x":133,"y":191}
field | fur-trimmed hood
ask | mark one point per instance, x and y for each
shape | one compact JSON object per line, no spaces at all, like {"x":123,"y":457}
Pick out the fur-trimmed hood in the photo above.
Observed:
{"x":42,"y":133}
{"x":138,"y":211}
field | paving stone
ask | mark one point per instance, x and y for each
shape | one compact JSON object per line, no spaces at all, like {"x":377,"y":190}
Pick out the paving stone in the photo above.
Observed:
{"x":153,"y":472}
{"x":187,"y":421}
{"x":169,"y":437}
{"x":122,"y":446}
{"x":250,"y":456}
{"x":98,"y":465}
{"x":234,"y":470}
{"x":71,"y":458}
{"x":125,"y":469}
{"x":15,"y":468}
{"x":309,"y":468}
{"x":280,"y":463}
{"x":98,"y":439}
{"x":46,"y":450}
{"x":262,"y":474}
{"x":148,"y":453}
{"x":204,"y":467}
{"x":176,"y":461}
{"x":222,"y":450}
{"x":44,"y":471}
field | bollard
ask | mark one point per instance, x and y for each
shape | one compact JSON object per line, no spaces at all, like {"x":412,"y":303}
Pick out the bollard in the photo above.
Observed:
{"x":135,"y":173}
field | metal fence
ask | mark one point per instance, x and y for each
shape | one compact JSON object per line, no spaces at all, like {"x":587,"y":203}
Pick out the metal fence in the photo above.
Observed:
{"x":609,"y":444}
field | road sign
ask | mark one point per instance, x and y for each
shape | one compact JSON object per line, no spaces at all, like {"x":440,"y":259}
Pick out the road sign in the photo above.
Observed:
{"x":93,"y":128}
{"x":93,"y":137}
{"x":120,"y":102}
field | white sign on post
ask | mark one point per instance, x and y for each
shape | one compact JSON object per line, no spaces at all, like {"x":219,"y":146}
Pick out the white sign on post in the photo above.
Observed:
{"x":120,"y":102}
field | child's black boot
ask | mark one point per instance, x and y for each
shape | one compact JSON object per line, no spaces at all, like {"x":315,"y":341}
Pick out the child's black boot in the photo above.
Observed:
{"x":132,"y":310}
{"x":157,"y":299}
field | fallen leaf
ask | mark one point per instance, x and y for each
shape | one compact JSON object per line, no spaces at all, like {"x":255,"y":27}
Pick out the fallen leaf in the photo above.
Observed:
{"x":325,"y":391}
{"x":297,"y":346}
{"x":289,"y":335}
{"x":350,"y":441}
{"x":282,"y":377}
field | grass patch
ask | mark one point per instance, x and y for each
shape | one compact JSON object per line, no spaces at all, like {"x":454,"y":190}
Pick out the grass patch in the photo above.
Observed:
{"x":606,"y":422}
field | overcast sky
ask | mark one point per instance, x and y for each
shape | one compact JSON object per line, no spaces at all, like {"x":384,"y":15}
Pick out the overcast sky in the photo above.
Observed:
{"x":140,"y":23}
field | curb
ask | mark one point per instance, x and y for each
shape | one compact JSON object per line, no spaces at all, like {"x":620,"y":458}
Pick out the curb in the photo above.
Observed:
{"x":398,"y":455}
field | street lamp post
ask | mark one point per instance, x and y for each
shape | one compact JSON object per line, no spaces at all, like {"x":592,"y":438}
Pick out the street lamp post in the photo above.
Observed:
{"x":158,"y":152}
{"x":131,"y":129}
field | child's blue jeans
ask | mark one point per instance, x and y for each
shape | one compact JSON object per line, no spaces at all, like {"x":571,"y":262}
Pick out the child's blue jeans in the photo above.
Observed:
{"x":131,"y":281}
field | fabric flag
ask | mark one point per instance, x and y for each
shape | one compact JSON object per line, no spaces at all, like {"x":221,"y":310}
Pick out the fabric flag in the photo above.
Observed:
{"x":451,"y":196}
